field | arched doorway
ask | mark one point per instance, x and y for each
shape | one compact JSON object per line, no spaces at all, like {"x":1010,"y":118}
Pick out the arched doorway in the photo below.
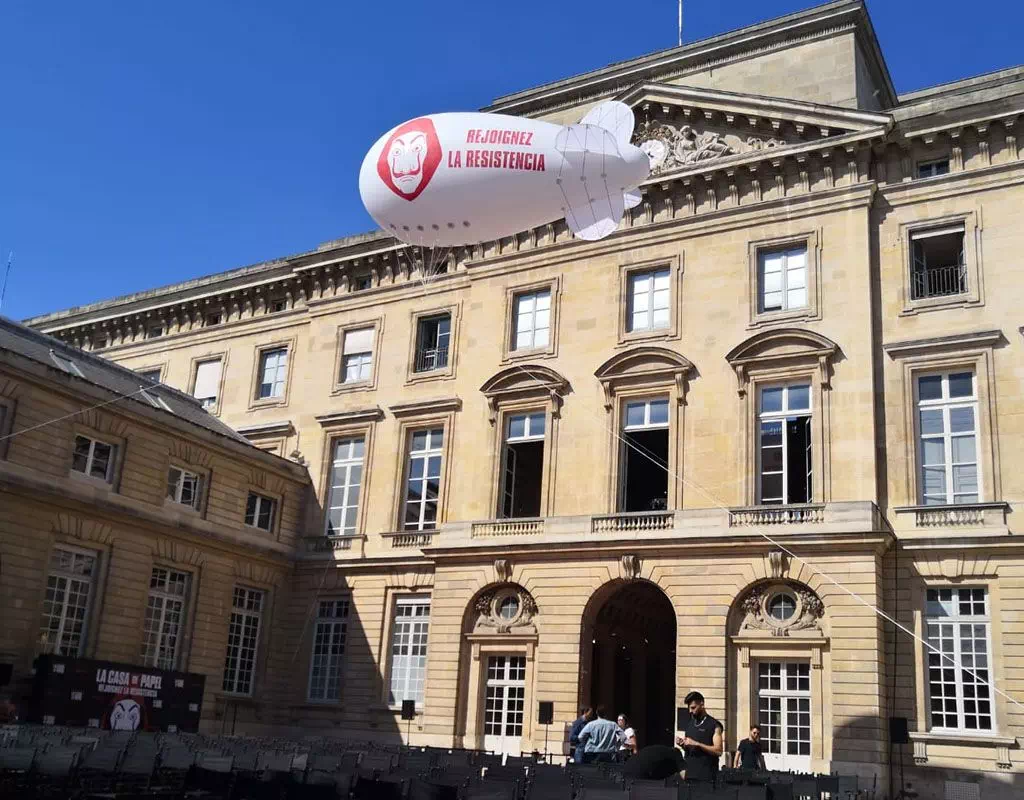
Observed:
{"x":628,"y":657}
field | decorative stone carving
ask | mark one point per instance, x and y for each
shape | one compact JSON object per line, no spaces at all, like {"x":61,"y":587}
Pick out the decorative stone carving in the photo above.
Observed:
{"x":518,"y":605}
{"x":503,"y":569}
{"x":806,"y":613}
{"x":757,"y":143}
{"x":778,"y":563}
{"x":669,"y":147}
{"x":631,"y":565}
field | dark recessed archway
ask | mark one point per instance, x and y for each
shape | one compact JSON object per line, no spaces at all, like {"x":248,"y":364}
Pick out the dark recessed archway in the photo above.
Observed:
{"x":628,"y":657}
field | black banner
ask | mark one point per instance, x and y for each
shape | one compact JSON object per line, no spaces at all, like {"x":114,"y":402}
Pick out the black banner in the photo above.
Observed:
{"x":105,"y":694}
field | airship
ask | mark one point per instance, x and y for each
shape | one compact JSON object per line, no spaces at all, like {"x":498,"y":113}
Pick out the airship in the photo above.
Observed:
{"x":451,"y":179}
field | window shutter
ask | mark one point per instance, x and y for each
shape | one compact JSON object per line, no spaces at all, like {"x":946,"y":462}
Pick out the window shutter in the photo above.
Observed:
{"x":207,"y":379}
{"x":359,"y":341}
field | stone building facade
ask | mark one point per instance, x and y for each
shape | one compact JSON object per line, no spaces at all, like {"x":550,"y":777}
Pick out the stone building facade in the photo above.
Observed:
{"x":695,"y":454}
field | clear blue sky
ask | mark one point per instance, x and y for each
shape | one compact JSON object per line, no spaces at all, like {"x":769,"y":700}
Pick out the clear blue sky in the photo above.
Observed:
{"x":144,"y":143}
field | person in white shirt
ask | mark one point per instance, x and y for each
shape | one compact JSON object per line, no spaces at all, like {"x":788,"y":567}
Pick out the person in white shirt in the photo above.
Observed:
{"x":627,"y":747}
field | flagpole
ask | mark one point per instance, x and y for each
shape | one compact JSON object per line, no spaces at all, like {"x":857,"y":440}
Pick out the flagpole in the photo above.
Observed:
{"x":680,"y":23}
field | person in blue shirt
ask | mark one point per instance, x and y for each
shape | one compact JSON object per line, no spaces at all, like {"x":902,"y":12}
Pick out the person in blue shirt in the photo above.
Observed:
{"x":586,"y":714}
{"x":600,"y":738}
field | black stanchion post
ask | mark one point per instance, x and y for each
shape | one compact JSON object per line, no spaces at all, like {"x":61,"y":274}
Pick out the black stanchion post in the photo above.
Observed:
{"x":408,"y":714}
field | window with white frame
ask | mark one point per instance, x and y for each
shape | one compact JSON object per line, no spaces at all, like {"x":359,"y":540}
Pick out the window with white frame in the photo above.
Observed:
{"x":260,"y":511}
{"x":423,"y":479}
{"x":409,"y":649}
{"x":643,"y":475}
{"x":784,"y":444}
{"x":329,"y":637}
{"x":782,"y":279}
{"x":184,"y":487}
{"x":938,"y":265}
{"x":207,"y":385}
{"x":531,"y":320}
{"x":948,"y":438}
{"x":94,"y":458}
{"x":523,"y":467}
{"x":650,"y":295}
{"x":273,"y":371}
{"x":345,"y":483}
{"x":433,"y":337}
{"x":66,"y":603}
{"x":165,"y":617}
{"x":357,"y":355}
{"x":243,"y":640}
{"x":931,"y":169}
{"x":957,"y":629}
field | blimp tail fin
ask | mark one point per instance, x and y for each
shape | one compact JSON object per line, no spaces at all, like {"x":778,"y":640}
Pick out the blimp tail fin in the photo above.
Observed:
{"x":597,"y":219}
{"x":613,"y":116}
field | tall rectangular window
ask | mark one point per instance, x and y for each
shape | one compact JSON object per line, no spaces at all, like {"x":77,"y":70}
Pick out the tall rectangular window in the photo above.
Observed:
{"x":165,"y":617}
{"x":328,"y":650}
{"x":357,"y":357}
{"x":650,"y":295}
{"x":243,"y":640}
{"x":345,"y":481}
{"x":184,"y":487}
{"x":409,"y":649}
{"x":273,"y":372}
{"x":423,"y":480}
{"x":433,"y":335}
{"x":523,"y":467}
{"x":959,"y":676}
{"x":948,"y":439}
{"x":207,"y":385}
{"x":643,"y":480}
{"x":94,"y":458}
{"x":260,"y":512}
{"x":784,"y":445}
{"x":66,"y":603}
{"x":531,"y":324}
{"x":939,"y":266}
{"x":782,"y":279}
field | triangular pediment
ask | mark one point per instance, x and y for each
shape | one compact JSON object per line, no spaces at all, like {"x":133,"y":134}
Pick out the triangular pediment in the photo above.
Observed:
{"x":685,"y":128}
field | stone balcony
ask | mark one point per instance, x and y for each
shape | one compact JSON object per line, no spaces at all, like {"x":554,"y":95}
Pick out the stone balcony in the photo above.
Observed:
{"x":985,"y":519}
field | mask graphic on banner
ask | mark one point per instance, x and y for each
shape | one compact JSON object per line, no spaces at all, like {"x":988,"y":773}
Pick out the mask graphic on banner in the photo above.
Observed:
{"x":410,"y":158}
{"x":126,"y":715}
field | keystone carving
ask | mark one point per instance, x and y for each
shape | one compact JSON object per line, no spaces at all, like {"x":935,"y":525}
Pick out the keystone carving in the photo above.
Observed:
{"x":503,"y":570}
{"x":631,"y":565}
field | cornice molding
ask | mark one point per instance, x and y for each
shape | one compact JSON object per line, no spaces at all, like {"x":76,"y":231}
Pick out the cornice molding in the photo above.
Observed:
{"x":422,"y":408}
{"x":356,"y":416}
{"x":938,"y":344}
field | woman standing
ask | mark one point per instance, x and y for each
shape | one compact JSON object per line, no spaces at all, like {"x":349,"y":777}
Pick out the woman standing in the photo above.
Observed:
{"x":627,"y":746}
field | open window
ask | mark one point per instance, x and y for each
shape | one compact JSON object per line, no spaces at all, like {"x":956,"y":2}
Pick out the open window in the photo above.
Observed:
{"x":643,"y":478}
{"x":939,"y":266}
{"x":784,"y":445}
{"x":523,"y":465}
{"x":432,"y":338}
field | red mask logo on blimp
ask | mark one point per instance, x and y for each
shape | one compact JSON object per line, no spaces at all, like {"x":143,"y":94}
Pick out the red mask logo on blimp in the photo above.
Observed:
{"x":410,"y":158}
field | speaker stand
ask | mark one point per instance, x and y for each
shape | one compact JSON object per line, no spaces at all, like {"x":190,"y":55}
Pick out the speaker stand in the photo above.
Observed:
{"x":546,"y":729}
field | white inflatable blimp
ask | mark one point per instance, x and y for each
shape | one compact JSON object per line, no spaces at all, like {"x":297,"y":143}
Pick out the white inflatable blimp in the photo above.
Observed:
{"x":453,"y":179}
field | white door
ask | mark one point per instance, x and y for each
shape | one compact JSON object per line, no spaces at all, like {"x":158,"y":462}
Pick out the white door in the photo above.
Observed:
{"x":504,"y":703}
{"x":784,"y":714}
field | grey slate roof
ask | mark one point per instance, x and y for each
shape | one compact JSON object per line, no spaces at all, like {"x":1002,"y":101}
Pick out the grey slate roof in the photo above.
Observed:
{"x":28,"y":343}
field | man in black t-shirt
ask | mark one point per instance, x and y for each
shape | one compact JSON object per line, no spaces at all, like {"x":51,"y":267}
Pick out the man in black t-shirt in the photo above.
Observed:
{"x":748,"y":753}
{"x":702,"y":742}
{"x":654,"y":763}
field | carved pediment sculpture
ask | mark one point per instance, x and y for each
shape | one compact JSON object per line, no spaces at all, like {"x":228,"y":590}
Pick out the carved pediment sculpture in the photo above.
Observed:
{"x":506,"y":608}
{"x":669,"y":147}
{"x":780,"y":609}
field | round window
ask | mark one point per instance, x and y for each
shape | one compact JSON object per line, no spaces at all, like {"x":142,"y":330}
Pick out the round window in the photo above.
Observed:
{"x":508,"y":608}
{"x":781,"y":607}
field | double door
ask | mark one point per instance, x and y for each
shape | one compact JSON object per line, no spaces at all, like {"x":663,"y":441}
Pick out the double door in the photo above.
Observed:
{"x":504,"y":704}
{"x":784,"y":714}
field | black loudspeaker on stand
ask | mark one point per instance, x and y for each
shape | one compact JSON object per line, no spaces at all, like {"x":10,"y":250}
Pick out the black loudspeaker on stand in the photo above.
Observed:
{"x":408,"y":714}
{"x":545,"y":716}
{"x":898,"y":733}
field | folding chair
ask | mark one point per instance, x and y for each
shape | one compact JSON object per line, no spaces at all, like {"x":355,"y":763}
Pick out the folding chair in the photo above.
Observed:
{"x":427,"y":790}
{"x":603,"y":794}
{"x":652,"y":790}
{"x":805,"y":788}
{"x":752,"y":792}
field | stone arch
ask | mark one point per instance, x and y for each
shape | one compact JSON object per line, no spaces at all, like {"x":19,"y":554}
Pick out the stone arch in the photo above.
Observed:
{"x":644,"y":366}
{"x":521,"y":382}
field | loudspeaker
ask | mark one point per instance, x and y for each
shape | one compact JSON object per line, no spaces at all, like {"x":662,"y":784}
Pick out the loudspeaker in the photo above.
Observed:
{"x":898,"y":733}
{"x":6,"y":671}
{"x":408,"y":709}
{"x":546,"y":713}
{"x":682,"y":718}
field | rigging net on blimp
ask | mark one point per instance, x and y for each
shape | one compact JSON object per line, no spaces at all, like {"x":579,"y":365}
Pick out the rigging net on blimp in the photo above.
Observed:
{"x":461,"y":179}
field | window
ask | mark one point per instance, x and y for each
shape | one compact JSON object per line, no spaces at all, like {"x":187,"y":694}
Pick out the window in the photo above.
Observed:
{"x":782,"y":606}
{"x":213,"y":318}
{"x":151,"y":374}
{"x":259,"y":512}
{"x":929,"y":169}
{"x":409,"y":649}
{"x":362,"y":282}
{"x":423,"y":480}
{"x":649,"y":300}
{"x":343,"y":491}
{"x":523,"y":467}
{"x":99,"y":344}
{"x":957,"y":627}
{"x":531,"y":320}
{"x":328,"y":650}
{"x":154,"y":331}
{"x":643,"y":482}
{"x":948,"y":439}
{"x":165,"y":616}
{"x":784,"y":445}
{"x":184,"y":487}
{"x":206,"y":388}
{"x":94,"y":458}
{"x":938,"y":265}
{"x":782,"y":279}
{"x":357,"y":355}
{"x":277,"y":306}
{"x":432,"y":339}
{"x":66,"y":604}
{"x":273,"y":372}
{"x":154,"y":400}
{"x":243,"y":640}
{"x":65,"y":364}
